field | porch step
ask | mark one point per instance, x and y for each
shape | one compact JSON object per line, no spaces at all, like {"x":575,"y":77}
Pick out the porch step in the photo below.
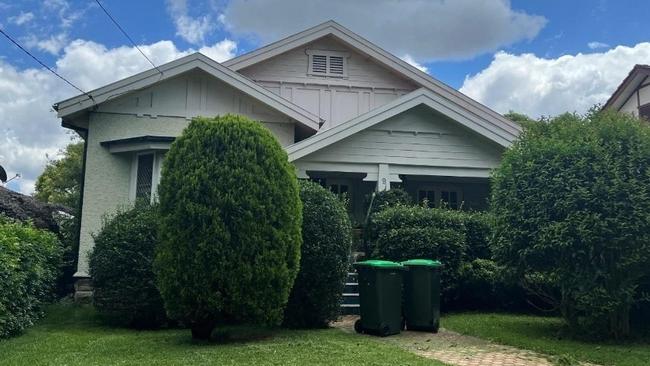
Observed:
{"x":350,"y":299}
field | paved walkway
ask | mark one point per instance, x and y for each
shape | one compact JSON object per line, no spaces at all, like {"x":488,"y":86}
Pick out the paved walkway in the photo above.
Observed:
{"x":456,"y":349}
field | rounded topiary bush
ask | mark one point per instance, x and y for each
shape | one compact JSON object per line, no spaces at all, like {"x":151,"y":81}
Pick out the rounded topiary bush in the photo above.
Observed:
{"x":124,"y":287}
{"x":572,"y":205}
{"x":326,"y":240}
{"x":230,"y":219}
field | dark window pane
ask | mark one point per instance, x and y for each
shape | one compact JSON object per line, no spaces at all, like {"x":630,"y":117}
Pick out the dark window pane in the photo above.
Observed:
{"x":453,"y":200}
{"x":644,"y":112}
{"x":343,"y":189}
{"x":422,"y":195}
{"x":144,"y":177}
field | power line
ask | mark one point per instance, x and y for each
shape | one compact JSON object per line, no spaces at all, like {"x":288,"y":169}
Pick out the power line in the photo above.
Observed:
{"x":126,"y":35}
{"x":45,"y":66}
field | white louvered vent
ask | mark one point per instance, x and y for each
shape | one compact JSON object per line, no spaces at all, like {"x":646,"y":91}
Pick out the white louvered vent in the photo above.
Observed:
{"x":327,"y":63}
{"x":336,"y":65}
{"x":319,"y":64}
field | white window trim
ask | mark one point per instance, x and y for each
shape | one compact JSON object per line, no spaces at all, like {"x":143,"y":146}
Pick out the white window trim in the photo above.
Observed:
{"x":328,"y":54}
{"x":155,"y":175}
{"x":329,"y":182}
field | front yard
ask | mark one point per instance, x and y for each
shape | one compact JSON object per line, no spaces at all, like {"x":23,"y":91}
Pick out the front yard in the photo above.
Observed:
{"x":542,"y":334}
{"x":74,"y":335}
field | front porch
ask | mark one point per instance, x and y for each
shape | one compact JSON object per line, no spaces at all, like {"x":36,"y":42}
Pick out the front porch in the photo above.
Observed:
{"x":467,"y":193}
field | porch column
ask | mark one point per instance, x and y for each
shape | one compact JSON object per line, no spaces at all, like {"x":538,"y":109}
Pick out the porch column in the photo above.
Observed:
{"x":384,"y":178}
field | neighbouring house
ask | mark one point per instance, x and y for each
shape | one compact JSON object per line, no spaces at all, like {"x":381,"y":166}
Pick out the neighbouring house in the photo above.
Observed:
{"x":350,"y":115}
{"x":633,"y":94}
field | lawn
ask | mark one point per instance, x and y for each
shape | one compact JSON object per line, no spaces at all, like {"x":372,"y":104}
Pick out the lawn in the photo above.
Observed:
{"x":75,"y":335}
{"x":541,"y":334}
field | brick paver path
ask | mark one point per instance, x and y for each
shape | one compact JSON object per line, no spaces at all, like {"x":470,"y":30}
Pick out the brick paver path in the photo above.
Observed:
{"x":456,"y":349}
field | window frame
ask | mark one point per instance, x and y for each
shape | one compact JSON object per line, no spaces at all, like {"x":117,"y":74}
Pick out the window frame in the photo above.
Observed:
{"x":437,"y":192}
{"x":645,"y":106}
{"x":328,"y":55}
{"x":155,"y":173}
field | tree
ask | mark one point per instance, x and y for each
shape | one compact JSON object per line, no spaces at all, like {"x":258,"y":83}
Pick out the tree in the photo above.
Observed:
{"x":519,"y":117}
{"x":230,"y":218}
{"x":572,"y":204}
{"x":60,"y":182}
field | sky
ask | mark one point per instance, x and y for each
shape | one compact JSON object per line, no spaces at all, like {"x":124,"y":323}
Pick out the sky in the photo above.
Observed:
{"x":541,"y":58}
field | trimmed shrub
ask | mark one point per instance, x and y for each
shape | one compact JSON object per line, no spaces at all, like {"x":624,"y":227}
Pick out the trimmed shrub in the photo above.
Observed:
{"x":326,"y":240}
{"x":572,"y":206}
{"x":230,"y":219}
{"x":124,"y":286}
{"x":30,"y":260}
{"x":403,"y":232}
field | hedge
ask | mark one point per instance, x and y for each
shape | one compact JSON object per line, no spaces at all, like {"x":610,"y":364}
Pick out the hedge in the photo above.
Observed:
{"x":230,"y":219}
{"x":30,"y":261}
{"x":124,"y":286}
{"x":326,"y":240}
{"x":572,"y":205}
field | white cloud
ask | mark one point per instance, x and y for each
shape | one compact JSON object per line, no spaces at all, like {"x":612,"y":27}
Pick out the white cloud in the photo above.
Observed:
{"x":22,"y":18}
{"x":414,"y":63}
{"x":538,"y":86}
{"x":595,"y":45}
{"x":426,"y":30}
{"x":193,"y":30}
{"x":29,"y":129}
{"x":52,"y":45}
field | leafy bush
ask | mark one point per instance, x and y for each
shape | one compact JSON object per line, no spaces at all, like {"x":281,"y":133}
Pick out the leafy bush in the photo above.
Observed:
{"x":230,"y":219}
{"x":572,"y":206}
{"x":404,"y":232}
{"x":389,"y":198}
{"x":29,"y":264}
{"x":121,"y":268}
{"x":326,"y":239}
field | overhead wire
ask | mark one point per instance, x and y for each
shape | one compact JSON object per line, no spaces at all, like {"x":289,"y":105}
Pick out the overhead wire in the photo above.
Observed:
{"x":44,"y":65}
{"x":126,"y":35}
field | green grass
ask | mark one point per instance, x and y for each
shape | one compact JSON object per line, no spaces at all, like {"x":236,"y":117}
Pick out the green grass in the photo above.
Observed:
{"x":541,"y":334}
{"x":75,"y":335}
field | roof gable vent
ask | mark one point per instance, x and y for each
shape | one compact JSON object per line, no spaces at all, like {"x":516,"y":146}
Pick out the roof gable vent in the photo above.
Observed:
{"x":327,"y":63}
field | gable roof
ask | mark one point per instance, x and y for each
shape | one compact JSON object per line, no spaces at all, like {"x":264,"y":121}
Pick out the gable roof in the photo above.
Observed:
{"x":635,"y":78}
{"x":194,"y":61}
{"x":499,"y":133}
{"x":383,"y":57}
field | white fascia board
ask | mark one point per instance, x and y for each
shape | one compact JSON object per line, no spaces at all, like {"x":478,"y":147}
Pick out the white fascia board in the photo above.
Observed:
{"x":382,"y":56}
{"x":182,"y":65}
{"x":418,"y":97}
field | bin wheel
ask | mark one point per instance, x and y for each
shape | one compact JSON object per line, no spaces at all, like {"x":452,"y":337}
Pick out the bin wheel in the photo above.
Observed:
{"x":435,"y":327}
{"x":384,"y":331}
{"x":357,"y":326}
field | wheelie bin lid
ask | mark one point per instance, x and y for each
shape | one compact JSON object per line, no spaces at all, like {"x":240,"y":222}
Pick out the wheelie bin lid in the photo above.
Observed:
{"x":422,"y":262}
{"x":376,"y":263}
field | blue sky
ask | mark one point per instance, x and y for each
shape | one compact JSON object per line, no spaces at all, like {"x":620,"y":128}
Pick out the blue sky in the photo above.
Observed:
{"x":537,"y":57}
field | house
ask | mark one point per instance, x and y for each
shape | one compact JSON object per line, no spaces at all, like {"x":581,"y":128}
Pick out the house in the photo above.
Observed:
{"x":350,"y":115}
{"x":633,"y":94}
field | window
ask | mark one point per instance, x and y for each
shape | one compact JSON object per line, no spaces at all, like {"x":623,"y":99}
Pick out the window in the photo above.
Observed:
{"x":440,"y":197}
{"x":644,"y":111}
{"x":327,"y":63}
{"x":145,"y":175}
{"x":339,"y":188}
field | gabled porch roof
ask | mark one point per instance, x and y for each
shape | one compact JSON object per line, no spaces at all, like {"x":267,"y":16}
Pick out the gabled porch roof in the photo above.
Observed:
{"x":501,"y":133}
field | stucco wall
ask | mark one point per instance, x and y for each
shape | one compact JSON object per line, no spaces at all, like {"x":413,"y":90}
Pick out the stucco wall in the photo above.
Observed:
{"x":632,"y":104}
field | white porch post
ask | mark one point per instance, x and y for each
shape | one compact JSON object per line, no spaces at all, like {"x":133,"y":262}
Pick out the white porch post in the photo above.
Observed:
{"x":384,"y":178}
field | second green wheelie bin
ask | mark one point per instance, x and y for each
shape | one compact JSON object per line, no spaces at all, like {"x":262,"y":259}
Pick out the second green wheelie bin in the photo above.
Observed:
{"x":380,"y":297}
{"x":422,"y":294}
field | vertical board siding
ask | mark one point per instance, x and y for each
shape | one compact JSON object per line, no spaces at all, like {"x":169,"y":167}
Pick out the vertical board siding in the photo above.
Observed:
{"x":335,"y":100}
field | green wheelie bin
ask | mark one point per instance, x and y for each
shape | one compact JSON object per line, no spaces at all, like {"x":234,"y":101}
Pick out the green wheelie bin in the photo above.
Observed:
{"x":422,"y":294}
{"x":380,"y":297}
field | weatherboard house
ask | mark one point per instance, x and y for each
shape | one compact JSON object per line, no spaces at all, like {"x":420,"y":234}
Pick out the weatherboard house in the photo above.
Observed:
{"x":349,"y":114}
